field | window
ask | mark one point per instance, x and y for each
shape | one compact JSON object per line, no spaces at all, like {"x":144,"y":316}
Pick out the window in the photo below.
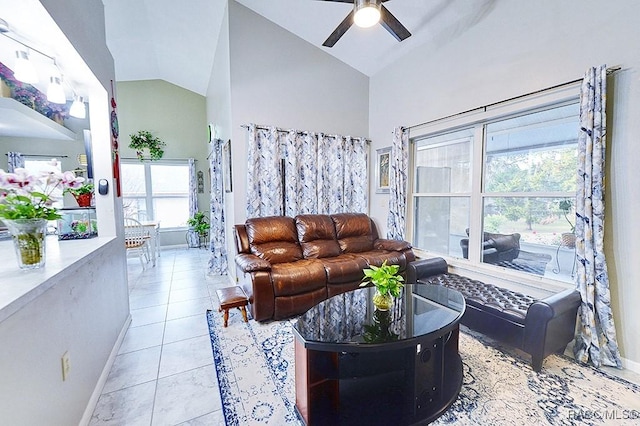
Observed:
{"x":500,"y":191}
{"x":158,"y":191}
{"x":36,"y":166}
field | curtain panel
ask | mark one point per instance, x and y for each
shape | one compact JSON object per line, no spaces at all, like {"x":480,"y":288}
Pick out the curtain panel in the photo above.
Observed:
{"x":15,"y":160}
{"x":218,"y":263}
{"x":596,"y":338}
{"x":398,"y":181}
{"x":322,"y":173}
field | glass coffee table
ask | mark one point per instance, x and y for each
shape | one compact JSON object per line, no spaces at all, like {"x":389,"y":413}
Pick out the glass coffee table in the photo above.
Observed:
{"x":355,"y":364}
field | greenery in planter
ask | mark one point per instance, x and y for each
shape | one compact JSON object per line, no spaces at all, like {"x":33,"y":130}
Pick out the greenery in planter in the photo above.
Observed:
{"x":565,"y":206}
{"x":385,"y":278}
{"x":198,"y":223}
{"x":145,"y":140}
{"x":86,"y":188}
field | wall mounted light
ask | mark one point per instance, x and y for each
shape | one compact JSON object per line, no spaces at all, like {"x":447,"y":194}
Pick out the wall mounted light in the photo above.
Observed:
{"x":25,"y":71}
{"x":366,"y":13}
{"x":55,"y":92}
{"x":78,"y":108}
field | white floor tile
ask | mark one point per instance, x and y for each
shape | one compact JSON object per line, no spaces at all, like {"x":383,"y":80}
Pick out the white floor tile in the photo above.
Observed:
{"x":188,"y":308}
{"x":186,"y":328}
{"x":197,"y":391}
{"x":133,"y":369}
{"x":143,"y":337}
{"x":151,"y":315}
{"x":131,"y":406}
{"x":185,"y":355}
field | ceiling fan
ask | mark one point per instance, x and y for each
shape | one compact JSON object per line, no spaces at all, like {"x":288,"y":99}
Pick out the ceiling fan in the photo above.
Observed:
{"x":367,"y":13}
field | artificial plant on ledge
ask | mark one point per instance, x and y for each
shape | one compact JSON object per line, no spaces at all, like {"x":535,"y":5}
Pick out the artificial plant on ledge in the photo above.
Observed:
{"x":144,"y":140}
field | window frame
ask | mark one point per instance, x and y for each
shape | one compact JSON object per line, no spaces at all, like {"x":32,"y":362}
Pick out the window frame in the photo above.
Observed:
{"x":477,"y":119}
{"x":149,"y":196}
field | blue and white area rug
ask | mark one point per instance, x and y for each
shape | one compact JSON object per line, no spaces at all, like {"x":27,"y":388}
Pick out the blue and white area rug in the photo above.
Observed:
{"x":254,"y":364}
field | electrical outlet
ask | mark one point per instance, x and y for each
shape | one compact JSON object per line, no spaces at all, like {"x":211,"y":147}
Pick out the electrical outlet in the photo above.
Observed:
{"x":66,"y":366}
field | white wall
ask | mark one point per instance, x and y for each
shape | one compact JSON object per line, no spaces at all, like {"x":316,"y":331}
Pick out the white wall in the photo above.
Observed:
{"x":176,"y":116}
{"x":281,"y":80}
{"x":219,"y":115}
{"x":519,"y":47}
{"x":87,"y":307}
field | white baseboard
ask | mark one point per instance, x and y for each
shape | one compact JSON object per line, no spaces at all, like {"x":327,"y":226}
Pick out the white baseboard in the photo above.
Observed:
{"x":631,"y":365}
{"x":97,"y":391}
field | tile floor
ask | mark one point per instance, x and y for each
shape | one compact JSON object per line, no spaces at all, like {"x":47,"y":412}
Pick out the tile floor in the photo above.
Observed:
{"x":164,"y":372}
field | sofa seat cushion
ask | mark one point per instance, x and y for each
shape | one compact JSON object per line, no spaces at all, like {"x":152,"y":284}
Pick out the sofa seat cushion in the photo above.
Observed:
{"x":344,"y":268}
{"x":498,"y":301}
{"x":377,"y":257}
{"x":297,"y":277}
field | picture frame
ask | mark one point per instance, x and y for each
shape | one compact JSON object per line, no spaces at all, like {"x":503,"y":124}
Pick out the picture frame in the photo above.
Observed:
{"x":383,"y":170}
{"x":226,"y":166}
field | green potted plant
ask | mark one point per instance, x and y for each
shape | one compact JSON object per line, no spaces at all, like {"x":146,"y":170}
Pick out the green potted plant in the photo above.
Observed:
{"x":144,"y":140}
{"x":83,"y":194}
{"x":568,"y":238}
{"x":199,"y":227}
{"x":387,"y":281}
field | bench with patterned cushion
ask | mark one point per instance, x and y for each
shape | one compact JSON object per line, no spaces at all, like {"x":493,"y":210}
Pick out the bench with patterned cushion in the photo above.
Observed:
{"x":539,"y":327}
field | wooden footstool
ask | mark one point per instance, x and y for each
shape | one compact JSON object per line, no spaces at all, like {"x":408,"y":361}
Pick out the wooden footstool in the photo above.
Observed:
{"x":232,"y":297}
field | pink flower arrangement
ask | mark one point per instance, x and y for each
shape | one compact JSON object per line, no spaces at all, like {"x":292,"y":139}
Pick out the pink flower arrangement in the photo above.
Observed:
{"x":27,"y":196}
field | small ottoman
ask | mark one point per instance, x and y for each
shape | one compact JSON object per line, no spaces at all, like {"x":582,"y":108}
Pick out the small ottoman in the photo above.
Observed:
{"x":232,"y":297}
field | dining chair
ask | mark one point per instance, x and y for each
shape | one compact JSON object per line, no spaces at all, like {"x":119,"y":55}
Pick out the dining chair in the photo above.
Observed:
{"x":136,"y":240}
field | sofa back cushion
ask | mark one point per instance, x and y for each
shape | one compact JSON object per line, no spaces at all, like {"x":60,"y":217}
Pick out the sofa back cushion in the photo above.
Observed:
{"x":274,"y":239}
{"x":317,"y":236}
{"x":354,"y":232}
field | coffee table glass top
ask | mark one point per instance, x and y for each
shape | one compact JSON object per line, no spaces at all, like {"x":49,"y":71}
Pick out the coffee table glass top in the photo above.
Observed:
{"x":349,"y":321}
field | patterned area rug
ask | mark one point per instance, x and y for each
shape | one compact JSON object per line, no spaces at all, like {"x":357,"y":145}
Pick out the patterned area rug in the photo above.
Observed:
{"x":254,"y":364}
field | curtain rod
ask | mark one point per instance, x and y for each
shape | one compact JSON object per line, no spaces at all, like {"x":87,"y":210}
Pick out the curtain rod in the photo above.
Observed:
{"x":610,"y":70}
{"x":43,"y":156}
{"x":298,"y":132}
{"x":158,"y":161}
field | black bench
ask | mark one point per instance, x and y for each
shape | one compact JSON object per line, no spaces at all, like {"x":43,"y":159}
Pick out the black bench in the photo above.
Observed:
{"x":538,"y":327}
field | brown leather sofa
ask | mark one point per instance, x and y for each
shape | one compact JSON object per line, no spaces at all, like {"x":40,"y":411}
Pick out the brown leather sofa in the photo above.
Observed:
{"x":287,"y":265}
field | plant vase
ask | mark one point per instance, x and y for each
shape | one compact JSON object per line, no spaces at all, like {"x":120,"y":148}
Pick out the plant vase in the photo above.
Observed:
{"x":29,"y":241}
{"x":83,"y":200}
{"x":568,"y":239}
{"x":382,"y":302}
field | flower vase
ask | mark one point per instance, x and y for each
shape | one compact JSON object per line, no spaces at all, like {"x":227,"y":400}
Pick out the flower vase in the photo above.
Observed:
{"x":29,"y":241}
{"x":382,"y":302}
{"x":83,"y":200}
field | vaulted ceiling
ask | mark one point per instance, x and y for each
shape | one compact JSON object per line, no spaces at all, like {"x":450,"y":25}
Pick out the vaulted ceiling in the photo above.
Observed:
{"x":176,"y":41}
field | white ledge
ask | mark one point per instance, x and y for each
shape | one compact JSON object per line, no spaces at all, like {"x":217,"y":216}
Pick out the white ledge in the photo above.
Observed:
{"x":19,"y":287}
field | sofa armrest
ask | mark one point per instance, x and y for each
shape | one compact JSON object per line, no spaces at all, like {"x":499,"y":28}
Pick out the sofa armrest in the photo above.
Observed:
{"x":425,"y":268}
{"x":391,"y":245}
{"x":550,"y":325}
{"x":252,"y":263}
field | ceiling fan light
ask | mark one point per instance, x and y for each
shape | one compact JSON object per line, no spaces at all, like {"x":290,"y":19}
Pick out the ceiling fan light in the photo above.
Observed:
{"x":367,"y":13}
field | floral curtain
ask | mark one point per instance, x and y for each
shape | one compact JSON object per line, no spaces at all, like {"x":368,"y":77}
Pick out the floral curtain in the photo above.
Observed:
{"x":15,"y":160}
{"x":398,"y":181}
{"x":596,"y":338}
{"x":217,"y":245}
{"x":264,"y":184}
{"x":193,"y":239}
{"x":193,"y":188}
{"x":323,"y":173}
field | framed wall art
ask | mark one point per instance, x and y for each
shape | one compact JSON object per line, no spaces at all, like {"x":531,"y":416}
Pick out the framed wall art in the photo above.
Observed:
{"x":383,"y":169}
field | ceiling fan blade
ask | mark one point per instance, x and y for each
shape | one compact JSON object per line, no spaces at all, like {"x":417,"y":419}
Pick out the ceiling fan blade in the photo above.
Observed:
{"x":339,"y":31}
{"x":391,"y":24}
